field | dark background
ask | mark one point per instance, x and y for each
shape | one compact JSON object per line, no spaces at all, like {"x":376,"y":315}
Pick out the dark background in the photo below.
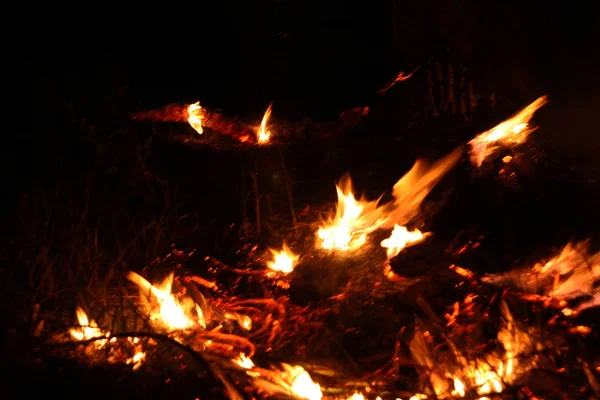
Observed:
{"x":95,"y":194}
{"x":312,"y":59}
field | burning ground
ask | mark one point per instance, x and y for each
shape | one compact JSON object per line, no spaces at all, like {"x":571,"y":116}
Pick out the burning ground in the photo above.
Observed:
{"x":468,"y":276}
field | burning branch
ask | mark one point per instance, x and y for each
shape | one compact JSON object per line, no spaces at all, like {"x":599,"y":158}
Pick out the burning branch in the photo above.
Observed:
{"x":199,"y":118}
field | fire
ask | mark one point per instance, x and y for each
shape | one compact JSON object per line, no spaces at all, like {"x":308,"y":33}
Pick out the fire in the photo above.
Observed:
{"x":400,"y":238}
{"x":297,"y":380}
{"x":284,"y":261}
{"x":356,"y":396}
{"x":243,"y":361}
{"x":355,"y":219}
{"x":88,"y":329}
{"x":511,"y":132}
{"x":165,"y":309}
{"x":290,"y":379}
{"x":487,"y":374}
{"x":571,"y":274}
{"x":264,"y":135}
{"x":195,"y":116}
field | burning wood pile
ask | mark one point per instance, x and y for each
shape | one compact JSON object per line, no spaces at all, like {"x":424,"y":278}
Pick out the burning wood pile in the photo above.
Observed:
{"x":285,"y":322}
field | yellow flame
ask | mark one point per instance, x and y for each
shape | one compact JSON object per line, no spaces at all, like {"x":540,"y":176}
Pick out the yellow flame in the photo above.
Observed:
{"x":243,"y":361}
{"x":355,"y":219}
{"x":511,"y":132}
{"x":283,"y":261}
{"x":170,"y":313}
{"x":264,"y":135}
{"x":195,"y":116}
{"x":400,"y":238}
{"x":300,"y":382}
{"x":356,"y":396}
{"x":88,"y":329}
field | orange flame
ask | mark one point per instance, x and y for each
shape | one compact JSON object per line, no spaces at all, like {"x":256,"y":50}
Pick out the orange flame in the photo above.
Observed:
{"x":243,"y":361}
{"x":264,"y":135}
{"x":511,"y":132}
{"x":195,"y":116}
{"x":165,"y":309}
{"x":284,"y":261}
{"x":485,"y":375}
{"x":355,"y":219}
{"x":400,"y":238}
{"x":88,"y":329}
{"x":571,"y":274}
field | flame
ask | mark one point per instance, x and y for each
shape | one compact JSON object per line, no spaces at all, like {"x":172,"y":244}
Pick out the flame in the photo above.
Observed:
{"x":264,"y":135}
{"x":355,"y":219}
{"x":511,"y":132}
{"x":356,"y":396}
{"x":400,"y":238}
{"x":571,"y":274}
{"x":170,"y":313}
{"x":284,"y":261}
{"x":300,"y":383}
{"x":244,"y":321}
{"x":195,"y":116}
{"x":88,"y":329}
{"x":350,"y":226}
{"x":291,"y":379}
{"x":487,"y":374}
{"x":243,"y":361}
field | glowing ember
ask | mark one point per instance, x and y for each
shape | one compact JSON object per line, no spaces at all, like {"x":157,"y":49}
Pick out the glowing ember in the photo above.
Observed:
{"x":462,"y":271}
{"x":165,"y":309}
{"x":195,"y":116}
{"x":284,"y":261}
{"x":355,"y":219}
{"x":400,"y":238}
{"x":511,"y":132}
{"x":349,"y":229}
{"x":264,"y":135}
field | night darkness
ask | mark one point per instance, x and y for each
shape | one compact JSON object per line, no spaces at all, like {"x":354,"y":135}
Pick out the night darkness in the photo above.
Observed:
{"x":312,"y":58}
{"x":87,"y":164}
